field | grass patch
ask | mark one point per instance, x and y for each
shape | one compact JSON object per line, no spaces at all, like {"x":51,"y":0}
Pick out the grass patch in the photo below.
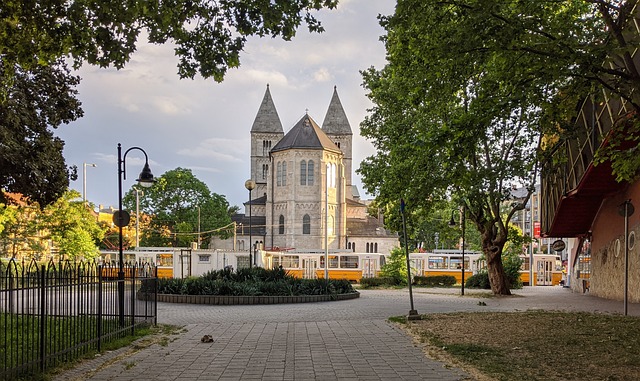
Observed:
{"x":535,"y":345}
{"x":398,"y":319}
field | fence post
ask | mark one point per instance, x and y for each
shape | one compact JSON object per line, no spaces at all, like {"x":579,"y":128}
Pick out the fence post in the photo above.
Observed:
{"x":99,"y":312}
{"x":43,"y":317}
{"x":155,"y":297}
{"x":134,"y":269}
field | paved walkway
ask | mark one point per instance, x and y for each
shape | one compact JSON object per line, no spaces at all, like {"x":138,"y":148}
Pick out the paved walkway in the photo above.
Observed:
{"x":346,"y":340}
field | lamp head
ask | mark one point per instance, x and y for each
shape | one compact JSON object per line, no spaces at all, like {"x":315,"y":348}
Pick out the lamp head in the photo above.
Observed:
{"x":146,"y":177}
{"x":452,"y":222}
{"x":250,"y":185}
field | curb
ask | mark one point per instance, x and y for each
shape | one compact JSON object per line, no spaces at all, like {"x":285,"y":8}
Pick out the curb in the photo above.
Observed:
{"x":237,"y":300}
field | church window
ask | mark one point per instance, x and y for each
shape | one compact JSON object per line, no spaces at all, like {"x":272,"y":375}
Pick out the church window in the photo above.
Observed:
{"x":368,"y":248}
{"x":284,"y":173}
{"x":281,"y":224}
{"x":265,"y":171}
{"x":279,"y":174}
{"x":266,"y":147}
{"x":306,"y":224}
{"x":310,"y":172}
{"x":375,"y":247}
{"x":303,"y":172}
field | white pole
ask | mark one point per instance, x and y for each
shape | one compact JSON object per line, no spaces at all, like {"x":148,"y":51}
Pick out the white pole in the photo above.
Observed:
{"x":84,"y":181}
{"x":326,"y":225}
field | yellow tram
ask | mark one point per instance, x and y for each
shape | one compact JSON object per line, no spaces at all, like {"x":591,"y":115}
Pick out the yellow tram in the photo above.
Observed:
{"x":446,"y":262}
{"x":547,"y":270}
{"x":162,"y":258}
{"x":342,"y":265}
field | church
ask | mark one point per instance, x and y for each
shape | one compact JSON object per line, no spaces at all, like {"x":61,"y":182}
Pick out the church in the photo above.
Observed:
{"x":301,"y":194}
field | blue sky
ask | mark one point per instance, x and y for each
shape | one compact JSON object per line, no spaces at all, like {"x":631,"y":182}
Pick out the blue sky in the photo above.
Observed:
{"x":203,"y":125}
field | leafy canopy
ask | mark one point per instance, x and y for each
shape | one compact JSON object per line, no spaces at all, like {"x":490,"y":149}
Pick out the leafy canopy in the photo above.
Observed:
{"x":173,"y":205}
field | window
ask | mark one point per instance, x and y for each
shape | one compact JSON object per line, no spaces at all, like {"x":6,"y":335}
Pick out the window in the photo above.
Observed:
{"x":310,"y":172}
{"x":303,"y":172}
{"x":348,"y":262}
{"x":279,"y":174}
{"x":306,"y":224}
{"x":290,"y":262}
{"x":367,"y":251}
{"x":281,"y":224}
{"x":333,"y":261}
{"x":438,"y":263}
{"x":266,"y":147}
{"x":265,"y":171}
{"x":284,"y":173}
{"x":204,"y":258}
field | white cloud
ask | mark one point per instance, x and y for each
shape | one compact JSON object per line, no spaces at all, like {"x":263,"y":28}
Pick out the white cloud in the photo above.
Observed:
{"x":322,"y":75}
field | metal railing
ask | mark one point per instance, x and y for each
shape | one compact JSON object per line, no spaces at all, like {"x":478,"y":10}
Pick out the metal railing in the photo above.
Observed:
{"x":56,"y":312}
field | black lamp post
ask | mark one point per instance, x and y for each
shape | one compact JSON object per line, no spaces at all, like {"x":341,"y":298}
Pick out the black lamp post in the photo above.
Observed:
{"x":452,"y":223}
{"x":121,"y":217}
{"x":250,"y":185}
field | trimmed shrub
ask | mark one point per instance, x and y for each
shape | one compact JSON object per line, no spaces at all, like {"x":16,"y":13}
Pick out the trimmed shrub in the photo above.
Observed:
{"x":252,"y":282}
{"x":379,"y":282}
{"x":479,"y":280}
{"x":435,"y":281}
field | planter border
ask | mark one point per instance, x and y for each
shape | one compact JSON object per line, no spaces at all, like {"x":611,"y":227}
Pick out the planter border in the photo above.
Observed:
{"x":236,"y":300}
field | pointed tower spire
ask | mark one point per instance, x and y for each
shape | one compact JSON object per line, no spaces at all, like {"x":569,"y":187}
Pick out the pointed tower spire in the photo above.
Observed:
{"x":336,"y":122}
{"x":267,"y":119}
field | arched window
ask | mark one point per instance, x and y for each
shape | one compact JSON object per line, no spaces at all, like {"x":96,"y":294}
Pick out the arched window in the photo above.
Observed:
{"x":310,"y":172}
{"x":281,"y":224}
{"x":353,"y":246}
{"x":279,"y":174}
{"x":306,"y":224}
{"x":284,"y":173}
{"x":367,"y":247}
{"x":303,"y":172}
{"x":265,"y":170}
{"x":375,"y":247}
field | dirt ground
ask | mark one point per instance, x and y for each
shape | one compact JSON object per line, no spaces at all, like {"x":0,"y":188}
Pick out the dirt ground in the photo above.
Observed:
{"x":534,"y":345}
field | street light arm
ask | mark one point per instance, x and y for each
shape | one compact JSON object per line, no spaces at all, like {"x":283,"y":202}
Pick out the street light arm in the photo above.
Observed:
{"x":123,"y":169}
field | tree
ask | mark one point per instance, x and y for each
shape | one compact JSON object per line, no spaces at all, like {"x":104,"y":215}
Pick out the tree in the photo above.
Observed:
{"x":72,"y":227}
{"x":37,"y":93}
{"x":31,"y":161}
{"x":174,"y":203}
{"x":469,"y":89}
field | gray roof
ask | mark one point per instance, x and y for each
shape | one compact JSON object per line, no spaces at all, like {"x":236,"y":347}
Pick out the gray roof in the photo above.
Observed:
{"x":306,"y":134}
{"x":267,"y":119}
{"x":336,"y":122}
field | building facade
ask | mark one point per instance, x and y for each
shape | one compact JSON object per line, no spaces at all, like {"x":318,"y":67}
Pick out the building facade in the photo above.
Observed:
{"x":304,"y":199}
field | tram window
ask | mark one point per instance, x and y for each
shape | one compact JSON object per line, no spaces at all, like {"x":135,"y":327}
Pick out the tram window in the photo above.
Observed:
{"x":455,"y":263}
{"x":276,"y":262}
{"x":291,"y":262}
{"x":438,"y":262}
{"x":525,"y":264}
{"x":164,"y":260}
{"x":349,"y":262}
{"x":146,"y":260}
{"x":333,"y":262}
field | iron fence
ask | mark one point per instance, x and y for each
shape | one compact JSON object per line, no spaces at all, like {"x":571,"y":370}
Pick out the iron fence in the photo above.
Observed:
{"x":55,"y":312}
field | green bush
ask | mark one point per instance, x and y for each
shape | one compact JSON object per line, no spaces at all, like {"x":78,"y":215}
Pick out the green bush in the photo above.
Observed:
{"x":435,"y":281}
{"x":252,"y":282}
{"x":382,"y":281}
{"x":479,"y":280}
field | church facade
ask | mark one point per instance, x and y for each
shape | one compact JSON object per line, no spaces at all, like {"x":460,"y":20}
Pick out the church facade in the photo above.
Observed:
{"x":304,"y":199}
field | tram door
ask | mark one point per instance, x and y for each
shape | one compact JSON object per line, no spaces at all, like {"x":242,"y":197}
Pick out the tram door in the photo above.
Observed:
{"x":309,"y":267}
{"x":544,"y":271}
{"x":369,"y":267}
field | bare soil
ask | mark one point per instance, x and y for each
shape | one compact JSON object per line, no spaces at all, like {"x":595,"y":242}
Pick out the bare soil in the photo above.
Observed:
{"x":534,"y":345}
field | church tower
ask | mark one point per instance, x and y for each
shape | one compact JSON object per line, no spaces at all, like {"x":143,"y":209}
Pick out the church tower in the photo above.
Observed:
{"x":266,"y":132}
{"x":337,"y":127}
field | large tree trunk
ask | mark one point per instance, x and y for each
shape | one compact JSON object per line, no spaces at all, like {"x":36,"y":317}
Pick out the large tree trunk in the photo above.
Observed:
{"x":497,"y":276}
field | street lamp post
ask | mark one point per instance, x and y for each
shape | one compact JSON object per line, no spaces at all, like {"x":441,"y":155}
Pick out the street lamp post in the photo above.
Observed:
{"x":452,"y":223}
{"x":84,"y":180}
{"x":250,"y":185}
{"x":121,"y":218}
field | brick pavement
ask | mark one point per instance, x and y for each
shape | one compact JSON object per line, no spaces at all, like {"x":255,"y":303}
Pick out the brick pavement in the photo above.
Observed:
{"x":346,"y":340}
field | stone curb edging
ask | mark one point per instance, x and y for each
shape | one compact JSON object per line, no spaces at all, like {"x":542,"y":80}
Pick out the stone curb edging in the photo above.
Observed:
{"x":236,"y":300}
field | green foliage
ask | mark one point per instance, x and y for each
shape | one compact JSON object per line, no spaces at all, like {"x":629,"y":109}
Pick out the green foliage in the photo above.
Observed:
{"x":435,"y":281}
{"x":37,"y":93}
{"x":253,"y":281}
{"x":396,"y":266}
{"x":380,"y":281}
{"x":179,"y":205}
{"x":479,"y":280}
{"x":34,"y":102}
{"x":72,"y":227}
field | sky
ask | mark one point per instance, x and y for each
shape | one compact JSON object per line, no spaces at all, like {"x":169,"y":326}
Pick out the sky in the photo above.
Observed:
{"x":205,"y":126}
